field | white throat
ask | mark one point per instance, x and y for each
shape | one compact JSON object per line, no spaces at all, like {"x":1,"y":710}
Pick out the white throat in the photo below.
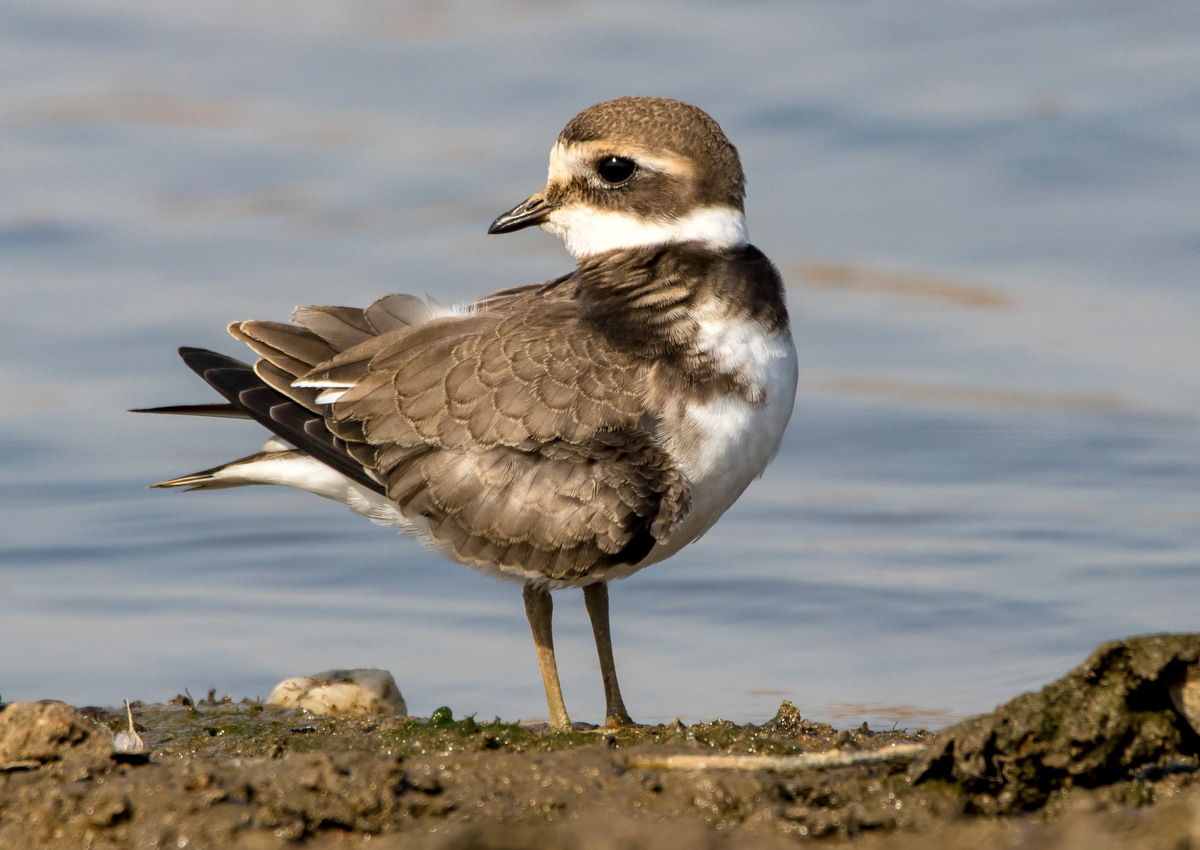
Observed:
{"x":587,"y":230}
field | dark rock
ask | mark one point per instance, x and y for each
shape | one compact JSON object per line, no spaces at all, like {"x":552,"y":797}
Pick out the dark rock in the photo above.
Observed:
{"x":1100,"y":724}
{"x":787,"y":721}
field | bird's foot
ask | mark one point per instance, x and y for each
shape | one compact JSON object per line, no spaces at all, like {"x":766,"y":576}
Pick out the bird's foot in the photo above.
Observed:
{"x":618,"y":720}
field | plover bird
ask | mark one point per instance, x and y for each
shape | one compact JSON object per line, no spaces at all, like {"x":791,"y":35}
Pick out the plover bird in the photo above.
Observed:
{"x":561,"y":434}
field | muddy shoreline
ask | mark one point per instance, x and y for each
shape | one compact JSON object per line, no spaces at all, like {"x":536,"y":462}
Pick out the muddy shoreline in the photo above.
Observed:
{"x":1105,"y":756}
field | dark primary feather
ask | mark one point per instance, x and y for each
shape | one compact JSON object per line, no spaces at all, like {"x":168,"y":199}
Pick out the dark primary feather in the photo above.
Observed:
{"x":219,"y":411}
{"x":238,"y":383}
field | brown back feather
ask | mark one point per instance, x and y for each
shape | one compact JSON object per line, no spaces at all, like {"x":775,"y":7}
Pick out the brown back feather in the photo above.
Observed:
{"x":514,"y":430}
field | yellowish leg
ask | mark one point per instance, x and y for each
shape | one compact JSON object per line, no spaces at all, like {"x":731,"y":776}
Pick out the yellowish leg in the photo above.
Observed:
{"x":595,"y":596}
{"x":539,"y":608}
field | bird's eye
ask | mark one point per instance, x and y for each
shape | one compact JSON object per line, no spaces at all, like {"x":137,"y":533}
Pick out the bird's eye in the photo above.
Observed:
{"x":615,"y":169}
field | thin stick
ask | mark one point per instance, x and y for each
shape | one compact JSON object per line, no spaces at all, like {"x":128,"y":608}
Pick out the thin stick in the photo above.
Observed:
{"x":805,"y":761}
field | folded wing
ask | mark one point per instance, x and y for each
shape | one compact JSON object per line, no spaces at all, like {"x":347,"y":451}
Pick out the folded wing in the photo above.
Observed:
{"x":510,"y":434}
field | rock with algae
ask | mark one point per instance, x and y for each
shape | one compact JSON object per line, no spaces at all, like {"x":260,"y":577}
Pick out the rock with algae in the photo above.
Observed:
{"x":1100,"y":724}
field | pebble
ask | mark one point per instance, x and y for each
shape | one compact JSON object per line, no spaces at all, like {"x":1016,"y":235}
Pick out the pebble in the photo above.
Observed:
{"x":364,"y":690}
{"x":1185,"y":694}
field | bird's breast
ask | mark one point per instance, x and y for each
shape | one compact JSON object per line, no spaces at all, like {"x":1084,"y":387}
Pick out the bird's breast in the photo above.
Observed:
{"x":723,"y":442}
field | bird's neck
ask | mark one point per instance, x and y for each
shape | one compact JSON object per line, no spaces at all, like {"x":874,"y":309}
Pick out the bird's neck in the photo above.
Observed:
{"x":664,"y":303}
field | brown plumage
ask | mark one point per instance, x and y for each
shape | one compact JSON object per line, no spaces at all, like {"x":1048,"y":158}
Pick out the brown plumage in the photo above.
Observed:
{"x":517,"y":431}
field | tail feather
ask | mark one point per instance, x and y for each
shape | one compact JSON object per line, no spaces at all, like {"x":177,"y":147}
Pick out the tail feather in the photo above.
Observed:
{"x":211,"y":479}
{"x":220,"y":411}
{"x":266,"y":392}
{"x":291,"y":348}
{"x":346,"y":327}
{"x":306,"y":430}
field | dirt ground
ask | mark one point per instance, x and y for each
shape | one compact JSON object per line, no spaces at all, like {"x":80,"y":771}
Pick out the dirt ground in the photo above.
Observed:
{"x":1103,"y":758}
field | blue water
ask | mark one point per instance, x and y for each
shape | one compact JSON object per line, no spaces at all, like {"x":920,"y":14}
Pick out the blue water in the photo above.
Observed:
{"x":987,"y":215}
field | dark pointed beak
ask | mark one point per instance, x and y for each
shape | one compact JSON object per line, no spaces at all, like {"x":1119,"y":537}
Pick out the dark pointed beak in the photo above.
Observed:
{"x":525,"y":214}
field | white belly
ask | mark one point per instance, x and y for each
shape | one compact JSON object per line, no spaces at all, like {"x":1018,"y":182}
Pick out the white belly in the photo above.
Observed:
{"x":724,"y":445}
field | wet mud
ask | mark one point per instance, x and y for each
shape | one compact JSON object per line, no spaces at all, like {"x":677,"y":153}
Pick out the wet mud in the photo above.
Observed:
{"x":1104,"y":757}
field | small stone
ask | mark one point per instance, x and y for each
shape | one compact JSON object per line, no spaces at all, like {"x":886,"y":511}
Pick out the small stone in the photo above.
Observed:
{"x":1185,"y":694}
{"x":359,"y":691}
{"x":787,"y":720}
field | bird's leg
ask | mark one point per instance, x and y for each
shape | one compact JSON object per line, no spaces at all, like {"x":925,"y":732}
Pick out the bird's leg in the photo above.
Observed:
{"x":595,"y":596}
{"x":539,"y":608}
